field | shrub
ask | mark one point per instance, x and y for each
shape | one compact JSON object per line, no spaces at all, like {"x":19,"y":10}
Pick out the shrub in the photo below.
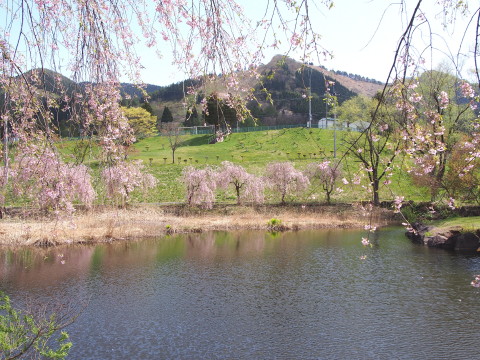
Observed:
{"x":23,"y":335}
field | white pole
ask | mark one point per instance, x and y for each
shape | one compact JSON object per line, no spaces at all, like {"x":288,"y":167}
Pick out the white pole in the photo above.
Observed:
{"x":335,"y":134}
{"x":310,"y":101}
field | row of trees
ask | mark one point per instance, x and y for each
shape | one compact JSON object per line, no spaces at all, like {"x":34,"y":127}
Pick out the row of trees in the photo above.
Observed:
{"x":47,"y":182}
{"x":281,"y":177}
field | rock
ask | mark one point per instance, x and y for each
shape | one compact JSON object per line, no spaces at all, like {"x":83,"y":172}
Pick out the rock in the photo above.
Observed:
{"x":417,"y":233}
{"x":444,"y":241}
{"x":448,"y":239}
{"x":467,"y":242}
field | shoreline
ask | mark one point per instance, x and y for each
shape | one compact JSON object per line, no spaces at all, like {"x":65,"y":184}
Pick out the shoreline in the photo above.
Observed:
{"x":149,"y":221}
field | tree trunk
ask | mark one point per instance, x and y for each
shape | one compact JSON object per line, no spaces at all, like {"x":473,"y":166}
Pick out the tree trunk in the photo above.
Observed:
{"x":376,"y":197}
{"x":237,"y":189}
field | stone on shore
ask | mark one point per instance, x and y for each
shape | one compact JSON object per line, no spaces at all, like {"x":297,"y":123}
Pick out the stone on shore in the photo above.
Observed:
{"x":451,"y":238}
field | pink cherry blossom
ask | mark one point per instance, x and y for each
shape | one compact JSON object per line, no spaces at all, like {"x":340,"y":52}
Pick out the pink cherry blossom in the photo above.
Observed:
{"x":285,"y":179}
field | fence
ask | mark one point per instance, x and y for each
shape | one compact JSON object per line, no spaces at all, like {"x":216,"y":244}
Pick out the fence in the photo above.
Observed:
{"x":210,"y":130}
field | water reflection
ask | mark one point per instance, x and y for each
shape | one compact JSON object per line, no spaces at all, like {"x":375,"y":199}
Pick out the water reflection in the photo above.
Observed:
{"x":244,"y":295}
{"x":43,"y":267}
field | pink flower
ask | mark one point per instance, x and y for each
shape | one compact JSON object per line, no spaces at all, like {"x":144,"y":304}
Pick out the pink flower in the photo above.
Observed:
{"x":443,"y":99}
{"x":467,"y":90}
{"x":366,"y":242}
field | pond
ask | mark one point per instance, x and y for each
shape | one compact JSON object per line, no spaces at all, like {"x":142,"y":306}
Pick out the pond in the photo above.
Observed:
{"x":254,"y":295}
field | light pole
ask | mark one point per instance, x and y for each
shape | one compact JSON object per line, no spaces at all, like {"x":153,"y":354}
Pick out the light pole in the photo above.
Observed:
{"x":335,"y":104}
{"x":310,"y":101}
{"x":335,"y":133}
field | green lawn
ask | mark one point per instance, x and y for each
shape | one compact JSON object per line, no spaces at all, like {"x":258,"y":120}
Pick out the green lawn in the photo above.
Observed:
{"x":466,"y":223}
{"x":253,"y":150}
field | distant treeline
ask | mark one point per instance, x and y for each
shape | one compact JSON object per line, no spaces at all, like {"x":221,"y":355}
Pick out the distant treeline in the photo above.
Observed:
{"x":357,"y":77}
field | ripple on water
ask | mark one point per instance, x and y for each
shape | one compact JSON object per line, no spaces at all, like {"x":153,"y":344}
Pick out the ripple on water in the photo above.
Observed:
{"x":248,"y":295}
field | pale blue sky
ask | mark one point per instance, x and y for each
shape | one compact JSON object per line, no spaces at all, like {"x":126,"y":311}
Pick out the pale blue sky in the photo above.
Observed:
{"x":362,"y":34}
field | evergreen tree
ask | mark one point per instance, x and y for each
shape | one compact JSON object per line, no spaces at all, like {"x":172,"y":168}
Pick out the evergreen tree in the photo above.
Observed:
{"x":192,"y":118}
{"x":167,"y":115}
{"x":148,"y":107}
{"x":219,"y":113}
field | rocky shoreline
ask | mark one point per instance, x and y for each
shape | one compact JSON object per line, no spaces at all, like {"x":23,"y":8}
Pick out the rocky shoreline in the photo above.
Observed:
{"x":453,"y":238}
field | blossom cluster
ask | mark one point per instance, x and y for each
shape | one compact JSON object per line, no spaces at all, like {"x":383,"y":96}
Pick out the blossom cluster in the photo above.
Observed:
{"x":41,"y":176}
{"x":122,"y":178}
{"x":280,"y":177}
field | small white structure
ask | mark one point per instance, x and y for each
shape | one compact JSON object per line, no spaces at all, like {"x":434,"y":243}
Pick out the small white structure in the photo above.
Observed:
{"x":326,"y":123}
{"x":331,"y":123}
{"x":359,"y":125}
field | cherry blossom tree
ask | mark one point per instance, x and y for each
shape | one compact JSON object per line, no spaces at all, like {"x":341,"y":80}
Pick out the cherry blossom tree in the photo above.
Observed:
{"x":438,"y":117}
{"x":123,"y":178}
{"x":200,"y":186}
{"x":285,"y":179}
{"x":248,"y":187}
{"x":326,"y":174}
{"x":49,"y":183}
{"x":376,"y":147}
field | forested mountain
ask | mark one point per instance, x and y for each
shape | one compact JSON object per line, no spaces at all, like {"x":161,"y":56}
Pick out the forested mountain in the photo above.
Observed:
{"x":288,"y":82}
{"x":285,"y":80}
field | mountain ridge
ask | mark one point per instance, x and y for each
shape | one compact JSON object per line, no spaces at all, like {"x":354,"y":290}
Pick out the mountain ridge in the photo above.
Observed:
{"x":289,"y":83}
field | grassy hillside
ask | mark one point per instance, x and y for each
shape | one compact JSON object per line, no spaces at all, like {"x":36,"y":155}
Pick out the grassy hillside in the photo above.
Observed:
{"x":254,"y":151}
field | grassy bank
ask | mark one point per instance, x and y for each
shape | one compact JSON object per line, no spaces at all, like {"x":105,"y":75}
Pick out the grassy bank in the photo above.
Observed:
{"x":153,"y":221}
{"x":462,"y":224}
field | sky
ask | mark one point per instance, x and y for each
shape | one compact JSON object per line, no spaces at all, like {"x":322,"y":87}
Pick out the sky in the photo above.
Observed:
{"x":361,"y":34}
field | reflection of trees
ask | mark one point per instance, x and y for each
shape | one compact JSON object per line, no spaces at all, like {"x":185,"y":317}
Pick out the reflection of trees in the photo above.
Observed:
{"x":224,"y":245}
{"x":44,"y":267}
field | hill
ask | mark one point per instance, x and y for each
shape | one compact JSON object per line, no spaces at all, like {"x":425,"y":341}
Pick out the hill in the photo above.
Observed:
{"x":352,"y":82}
{"x":287,"y":81}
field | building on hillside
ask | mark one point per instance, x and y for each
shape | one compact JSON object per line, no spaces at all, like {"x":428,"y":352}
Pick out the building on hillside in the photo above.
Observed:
{"x":331,"y":123}
{"x":359,"y":125}
{"x":327,"y":123}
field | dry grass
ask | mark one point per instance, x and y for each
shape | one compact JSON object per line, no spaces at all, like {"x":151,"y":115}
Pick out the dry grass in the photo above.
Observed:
{"x":152,"y":221}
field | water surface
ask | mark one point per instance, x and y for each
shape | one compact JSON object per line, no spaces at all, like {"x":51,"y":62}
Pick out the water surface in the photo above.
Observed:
{"x":253,"y":295}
